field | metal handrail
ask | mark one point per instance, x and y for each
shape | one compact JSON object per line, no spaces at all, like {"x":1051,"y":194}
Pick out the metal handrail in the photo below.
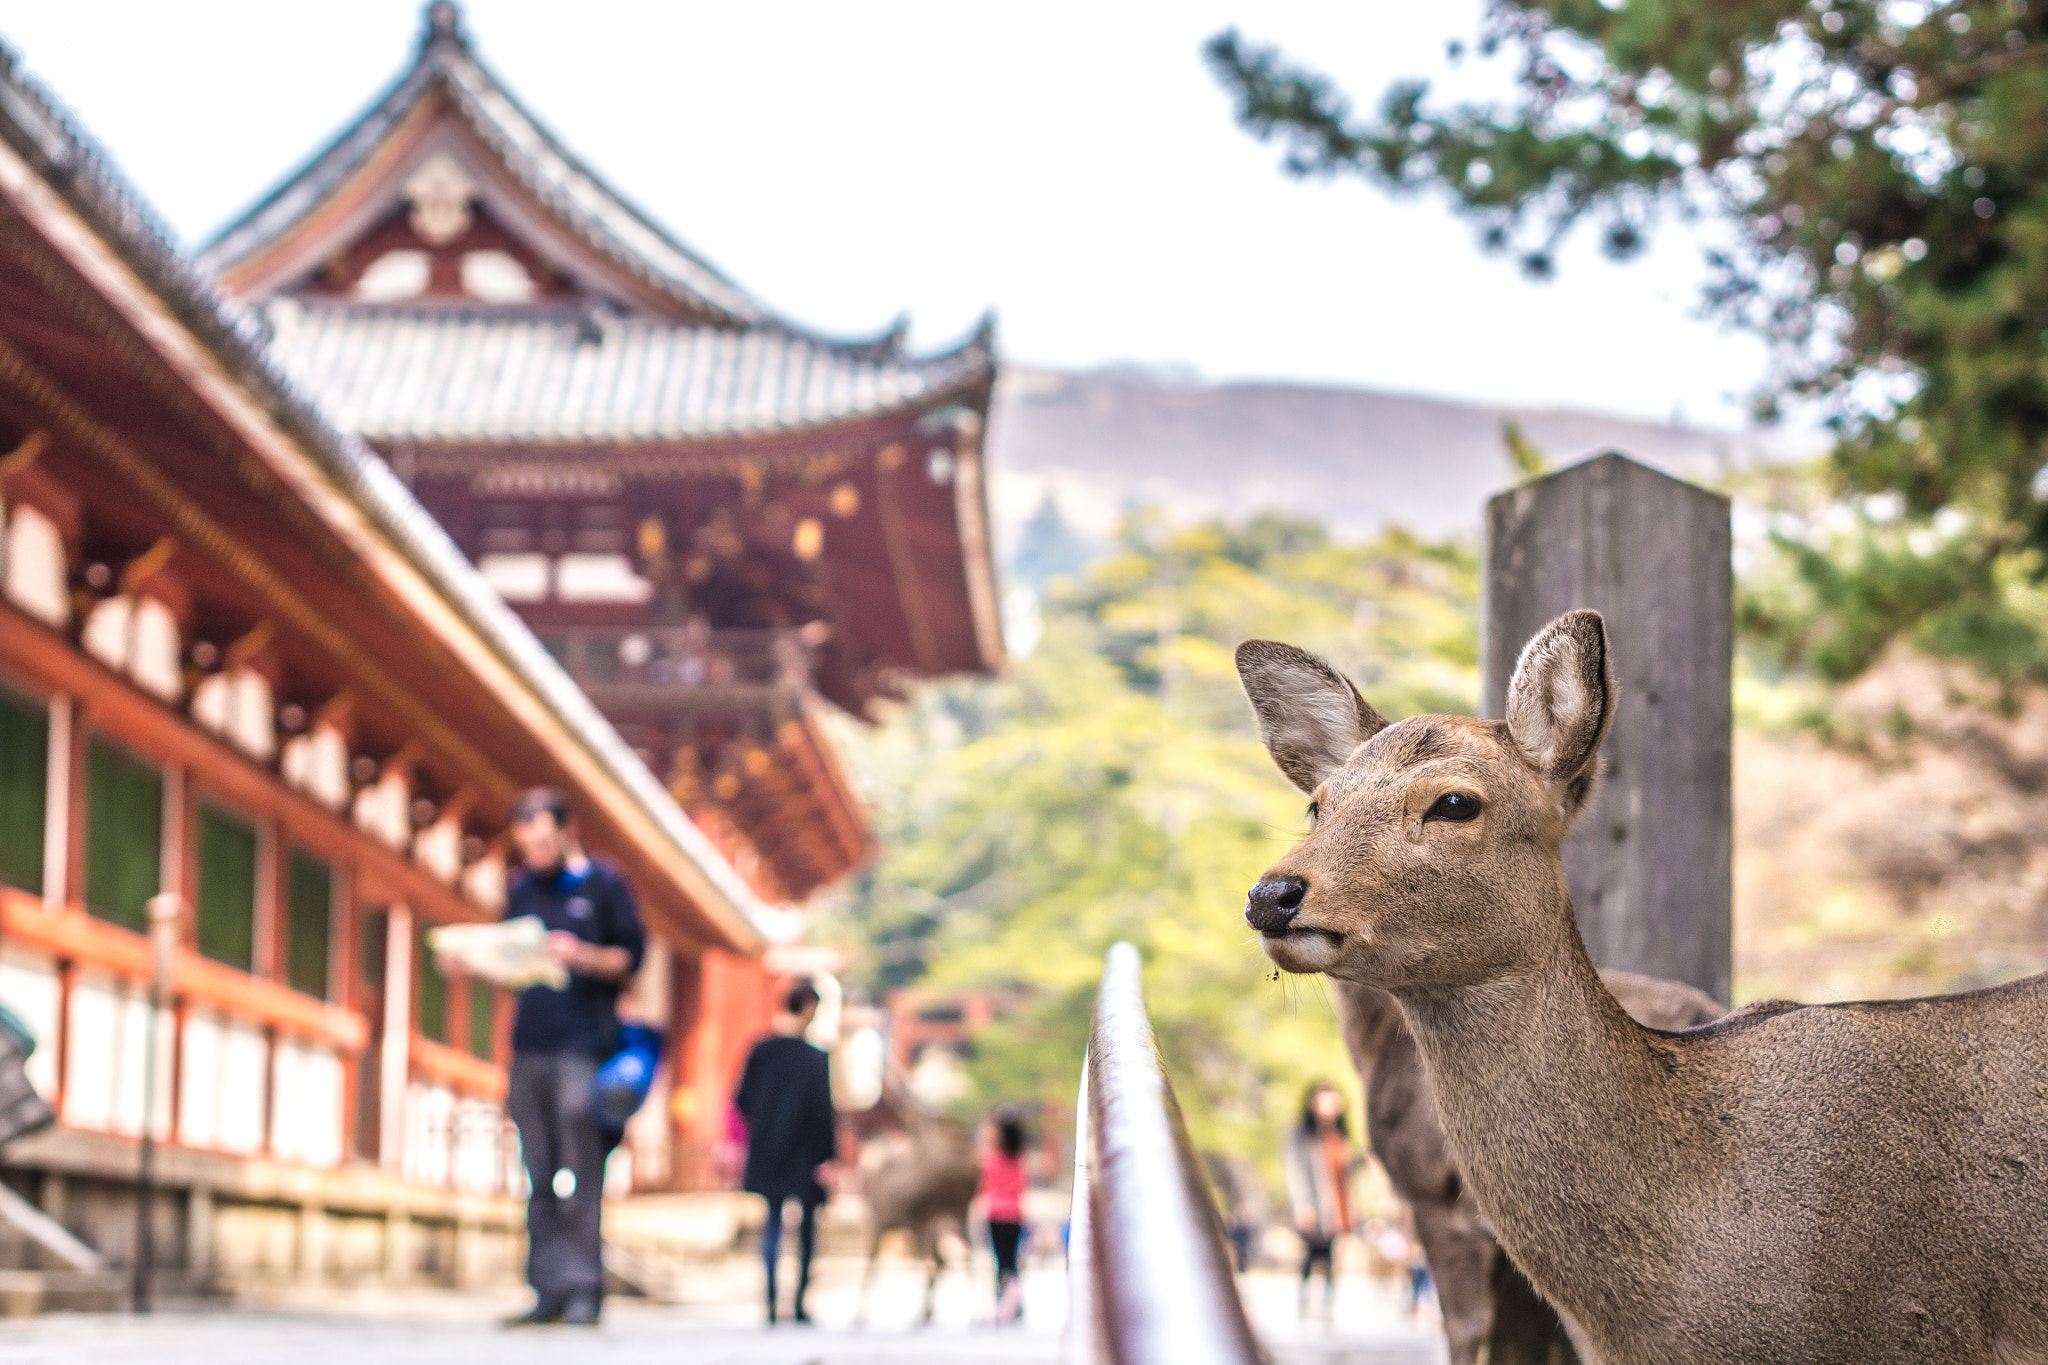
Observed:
{"x":1148,"y":1277}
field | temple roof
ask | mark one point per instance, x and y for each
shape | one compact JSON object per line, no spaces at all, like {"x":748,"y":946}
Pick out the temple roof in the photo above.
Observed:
{"x":446,"y":66}
{"x":612,"y":329}
{"x":67,"y":164}
{"x":590,"y":374}
{"x":450,"y":283}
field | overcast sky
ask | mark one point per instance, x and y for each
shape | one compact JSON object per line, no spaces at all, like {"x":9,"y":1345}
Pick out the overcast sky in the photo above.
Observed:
{"x":1070,"y":164}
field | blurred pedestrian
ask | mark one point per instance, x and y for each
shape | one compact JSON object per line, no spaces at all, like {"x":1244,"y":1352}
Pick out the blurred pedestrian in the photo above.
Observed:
{"x":559,"y":1039}
{"x":785,"y":1096}
{"x":1404,"y":1260}
{"x":1320,"y":1163}
{"x":1002,"y":1198}
{"x":1243,"y":1202}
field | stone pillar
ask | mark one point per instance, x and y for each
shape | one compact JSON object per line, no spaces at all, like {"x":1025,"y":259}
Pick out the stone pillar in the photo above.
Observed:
{"x":199,"y":1231}
{"x":398,"y":1245}
{"x":469,"y":1251}
{"x":55,"y":1195}
{"x":312,"y":1243}
{"x":1649,"y":865}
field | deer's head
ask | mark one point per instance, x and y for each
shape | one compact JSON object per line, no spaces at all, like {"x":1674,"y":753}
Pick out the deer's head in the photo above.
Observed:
{"x":1432,"y":858}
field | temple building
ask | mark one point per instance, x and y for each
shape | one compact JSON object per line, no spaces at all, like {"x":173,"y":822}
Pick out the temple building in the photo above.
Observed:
{"x":444,"y":473}
{"x":713,"y":517}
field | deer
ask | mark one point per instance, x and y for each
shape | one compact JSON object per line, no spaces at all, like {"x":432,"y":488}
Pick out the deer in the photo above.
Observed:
{"x":1863,"y":1181}
{"x":924,"y":1189}
{"x":1489,"y":1310}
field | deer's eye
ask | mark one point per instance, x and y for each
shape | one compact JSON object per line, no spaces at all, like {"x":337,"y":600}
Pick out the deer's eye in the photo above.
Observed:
{"x":1456,"y":807}
{"x":1315,"y":813}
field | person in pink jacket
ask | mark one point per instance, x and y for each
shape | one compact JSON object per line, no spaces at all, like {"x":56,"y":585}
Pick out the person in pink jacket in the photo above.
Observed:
{"x":1002,"y":1197}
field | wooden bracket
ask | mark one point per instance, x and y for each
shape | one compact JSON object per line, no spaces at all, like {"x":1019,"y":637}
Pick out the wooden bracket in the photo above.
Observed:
{"x":23,"y":455}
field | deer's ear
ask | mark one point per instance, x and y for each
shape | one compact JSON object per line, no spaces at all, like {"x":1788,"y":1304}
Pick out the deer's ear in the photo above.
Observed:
{"x":1309,"y":714}
{"x":1561,"y":702}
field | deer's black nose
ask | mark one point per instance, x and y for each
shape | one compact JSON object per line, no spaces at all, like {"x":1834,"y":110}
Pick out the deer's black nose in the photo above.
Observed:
{"x":1270,"y":906}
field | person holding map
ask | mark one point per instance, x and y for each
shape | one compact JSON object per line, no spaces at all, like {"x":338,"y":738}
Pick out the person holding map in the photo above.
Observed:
{"x":560,"y":1037}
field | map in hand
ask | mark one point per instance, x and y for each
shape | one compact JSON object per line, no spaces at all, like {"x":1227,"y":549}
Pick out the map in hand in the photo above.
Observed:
{"x":511,"y":953}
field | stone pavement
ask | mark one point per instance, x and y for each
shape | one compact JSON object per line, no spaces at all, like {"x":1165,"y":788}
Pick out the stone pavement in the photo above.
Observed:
{"x":450,"y":1329}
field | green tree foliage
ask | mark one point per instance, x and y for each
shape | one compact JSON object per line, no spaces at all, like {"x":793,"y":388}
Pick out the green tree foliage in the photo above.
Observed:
{"x":1111,"y":786}
{"x":1875,"y":173}
{"x":1525,"y":457}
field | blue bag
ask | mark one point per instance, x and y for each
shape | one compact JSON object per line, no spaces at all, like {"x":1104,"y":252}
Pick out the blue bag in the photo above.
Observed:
{"x":621,"y":1084}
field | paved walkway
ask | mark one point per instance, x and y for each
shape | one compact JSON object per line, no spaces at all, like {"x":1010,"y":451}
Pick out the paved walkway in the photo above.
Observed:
{"x":449,"y":1329}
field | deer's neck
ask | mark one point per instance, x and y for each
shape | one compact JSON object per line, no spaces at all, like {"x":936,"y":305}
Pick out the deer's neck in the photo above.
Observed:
{"x":1368,"y":1018}
{"x":1561,"y":1110}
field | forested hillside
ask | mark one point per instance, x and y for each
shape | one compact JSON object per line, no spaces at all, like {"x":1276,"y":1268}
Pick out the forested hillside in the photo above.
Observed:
{"x":1111,"y":786}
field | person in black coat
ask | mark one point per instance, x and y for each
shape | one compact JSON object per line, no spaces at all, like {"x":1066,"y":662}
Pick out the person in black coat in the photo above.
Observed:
{"x":785,"y":1096}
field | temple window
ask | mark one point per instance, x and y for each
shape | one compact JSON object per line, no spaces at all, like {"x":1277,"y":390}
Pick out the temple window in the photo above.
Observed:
{"x":222,"y":1083}
{"x":600,"y":528}
{"x":517,"y":577}
{"x":482,"y":1018}
{"x":24,"y":789}
{"x":124,"y":834}
{"x":599,"y":578}
{"x":433,"y":991}
{"x":34,"y":567}
{"x":309,"y":918}
{"x":227,"y":887}
{"x":496,"y":277}
{"x":395,"y":276}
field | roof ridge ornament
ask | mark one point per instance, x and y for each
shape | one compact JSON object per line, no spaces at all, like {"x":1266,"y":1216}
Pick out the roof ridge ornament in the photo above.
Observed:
{"x":439,"y":192}
{"x":443,"y":24}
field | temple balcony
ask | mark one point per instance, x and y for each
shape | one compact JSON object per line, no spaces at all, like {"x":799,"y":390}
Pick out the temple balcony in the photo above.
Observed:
{"x":689,"y":668}
{"x":730,"y":720}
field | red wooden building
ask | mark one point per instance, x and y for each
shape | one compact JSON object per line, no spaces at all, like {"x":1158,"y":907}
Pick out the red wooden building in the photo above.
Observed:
{"x":262,"y":661}
{"x":713,"y":517}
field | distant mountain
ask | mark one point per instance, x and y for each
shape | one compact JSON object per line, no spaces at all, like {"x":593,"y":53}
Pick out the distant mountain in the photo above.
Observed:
{"x":1355,"y":459}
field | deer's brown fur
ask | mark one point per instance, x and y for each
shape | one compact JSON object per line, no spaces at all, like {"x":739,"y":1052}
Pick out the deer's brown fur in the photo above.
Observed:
{"x":1862,"y":1182}
{"x":923,"y":1189}
{"x":1408,"y":1139}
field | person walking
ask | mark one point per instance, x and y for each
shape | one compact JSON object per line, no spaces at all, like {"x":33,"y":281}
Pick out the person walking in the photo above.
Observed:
{"x":1002,"y":1198}
{"x":559,"y":1039}
{"x":785,"y":1096}
{"x":1320,"y":1163}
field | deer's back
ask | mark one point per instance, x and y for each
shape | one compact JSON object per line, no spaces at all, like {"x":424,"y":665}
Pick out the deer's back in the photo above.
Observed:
{"x":1875,"y":1169}
{"x":926,"y":1183}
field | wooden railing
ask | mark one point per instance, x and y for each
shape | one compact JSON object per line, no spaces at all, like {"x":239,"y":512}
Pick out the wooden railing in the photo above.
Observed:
{"x":467,"y":1075}
{"x":72,"y":935}
{"x":1148,"y":1275}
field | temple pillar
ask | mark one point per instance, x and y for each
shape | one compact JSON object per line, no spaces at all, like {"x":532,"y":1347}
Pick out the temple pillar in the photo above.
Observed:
{"x":394,"y":1062}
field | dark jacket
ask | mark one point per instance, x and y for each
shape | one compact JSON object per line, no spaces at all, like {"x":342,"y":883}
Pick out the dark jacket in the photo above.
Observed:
{"x":597,"y":907}
{"x":785,"y":1096}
